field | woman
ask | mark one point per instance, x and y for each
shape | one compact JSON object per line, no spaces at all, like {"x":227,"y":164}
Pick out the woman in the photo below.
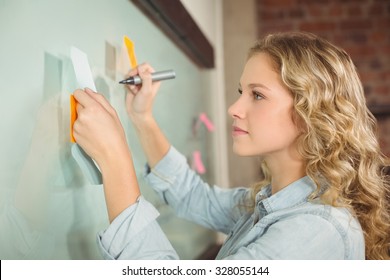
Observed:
{"x":302,"y":110}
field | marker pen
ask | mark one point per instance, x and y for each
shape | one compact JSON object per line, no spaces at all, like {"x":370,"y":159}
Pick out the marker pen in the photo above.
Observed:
{"x":156,"y":76}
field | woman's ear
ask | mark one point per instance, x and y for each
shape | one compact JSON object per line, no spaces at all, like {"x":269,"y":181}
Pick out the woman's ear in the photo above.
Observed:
{"x":299,"y":122}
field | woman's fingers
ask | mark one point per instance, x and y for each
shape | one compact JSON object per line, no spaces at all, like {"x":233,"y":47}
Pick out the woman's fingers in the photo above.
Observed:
{"x":133,"y":88}
{"x":101,"y":100}
{"x":97,"y":129}
{"x":143,"y":70}
{"x":85,"y":100}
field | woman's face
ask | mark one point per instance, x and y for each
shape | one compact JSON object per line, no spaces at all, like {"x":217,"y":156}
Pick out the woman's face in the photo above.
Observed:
{"x":262,"y":116}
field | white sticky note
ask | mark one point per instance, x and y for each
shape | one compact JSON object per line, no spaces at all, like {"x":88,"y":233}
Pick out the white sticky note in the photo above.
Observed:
{"x":82,"y":69}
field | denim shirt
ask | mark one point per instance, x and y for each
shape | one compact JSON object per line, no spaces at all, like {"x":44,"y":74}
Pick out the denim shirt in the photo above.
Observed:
{"x":285,"y":225}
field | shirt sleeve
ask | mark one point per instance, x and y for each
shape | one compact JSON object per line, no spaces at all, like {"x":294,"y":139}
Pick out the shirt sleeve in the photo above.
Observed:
{"x":136,"y":235}
{"x":193,"y":199}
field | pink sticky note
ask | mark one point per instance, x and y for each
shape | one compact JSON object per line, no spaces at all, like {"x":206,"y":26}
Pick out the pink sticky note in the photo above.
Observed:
{"x":209,"y":125}
{"x":197,"y":162}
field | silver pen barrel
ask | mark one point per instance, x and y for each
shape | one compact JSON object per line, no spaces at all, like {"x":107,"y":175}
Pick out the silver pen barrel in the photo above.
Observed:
{"x":156,"y":76}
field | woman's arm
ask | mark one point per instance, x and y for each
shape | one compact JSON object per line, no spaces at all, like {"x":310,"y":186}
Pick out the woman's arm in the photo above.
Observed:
{"x":133,"y":232}
{"x":99,"y":132}
{"x":139,"y":104}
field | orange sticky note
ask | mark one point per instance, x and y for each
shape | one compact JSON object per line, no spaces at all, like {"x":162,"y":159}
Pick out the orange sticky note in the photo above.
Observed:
{"x":130,"y":51}
{"x":73,"y":116}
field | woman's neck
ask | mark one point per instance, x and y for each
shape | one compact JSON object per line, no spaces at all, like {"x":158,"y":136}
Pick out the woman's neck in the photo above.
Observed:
{"x":284,"y":171}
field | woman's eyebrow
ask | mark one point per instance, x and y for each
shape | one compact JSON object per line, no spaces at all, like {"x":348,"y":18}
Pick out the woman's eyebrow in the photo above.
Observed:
{"x":253,"y":85}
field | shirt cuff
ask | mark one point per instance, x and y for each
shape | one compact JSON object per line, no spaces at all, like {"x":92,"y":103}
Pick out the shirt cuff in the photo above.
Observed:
{"x":125,"y":227}
{"x":163,"y":175}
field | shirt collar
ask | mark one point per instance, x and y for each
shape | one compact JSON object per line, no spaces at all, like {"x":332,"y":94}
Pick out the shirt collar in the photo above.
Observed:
{"x":290,"y":196}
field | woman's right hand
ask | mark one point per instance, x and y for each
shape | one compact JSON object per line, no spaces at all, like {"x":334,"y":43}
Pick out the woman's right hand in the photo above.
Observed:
{"x":140,"y":98}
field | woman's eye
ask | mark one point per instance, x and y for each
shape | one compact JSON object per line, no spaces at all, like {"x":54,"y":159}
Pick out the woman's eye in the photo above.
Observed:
{"x":239,"y":91}
{"x":257,"y":95}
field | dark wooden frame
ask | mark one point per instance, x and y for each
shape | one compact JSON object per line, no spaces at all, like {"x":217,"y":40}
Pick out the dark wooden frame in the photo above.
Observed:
{"x":175,"y":21}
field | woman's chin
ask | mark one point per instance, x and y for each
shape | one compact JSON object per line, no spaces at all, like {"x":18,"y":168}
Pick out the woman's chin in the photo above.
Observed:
{"x":240,"y":151}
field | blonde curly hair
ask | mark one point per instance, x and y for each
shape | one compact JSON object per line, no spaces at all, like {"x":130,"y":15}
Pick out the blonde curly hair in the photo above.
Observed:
{"x":339,"y":145}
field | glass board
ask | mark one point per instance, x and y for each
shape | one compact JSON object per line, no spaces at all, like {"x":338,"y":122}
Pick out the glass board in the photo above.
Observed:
{"x":48,"y":210}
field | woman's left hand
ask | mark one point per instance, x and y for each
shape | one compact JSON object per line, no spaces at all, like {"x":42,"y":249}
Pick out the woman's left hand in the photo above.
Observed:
{"x":98,"y":129}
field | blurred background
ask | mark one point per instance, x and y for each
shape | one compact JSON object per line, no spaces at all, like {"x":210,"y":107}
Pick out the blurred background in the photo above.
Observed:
{"x":361,"y":27}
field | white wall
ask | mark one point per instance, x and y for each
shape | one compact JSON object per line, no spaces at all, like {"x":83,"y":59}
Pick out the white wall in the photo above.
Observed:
{"x":204,"y":14}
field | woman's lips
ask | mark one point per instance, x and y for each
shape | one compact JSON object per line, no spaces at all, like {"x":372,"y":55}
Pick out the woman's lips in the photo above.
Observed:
{"x":236,"y":131}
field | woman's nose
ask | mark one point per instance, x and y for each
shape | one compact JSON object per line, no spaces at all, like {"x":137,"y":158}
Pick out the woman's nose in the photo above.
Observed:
{"x":236,"y":110}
